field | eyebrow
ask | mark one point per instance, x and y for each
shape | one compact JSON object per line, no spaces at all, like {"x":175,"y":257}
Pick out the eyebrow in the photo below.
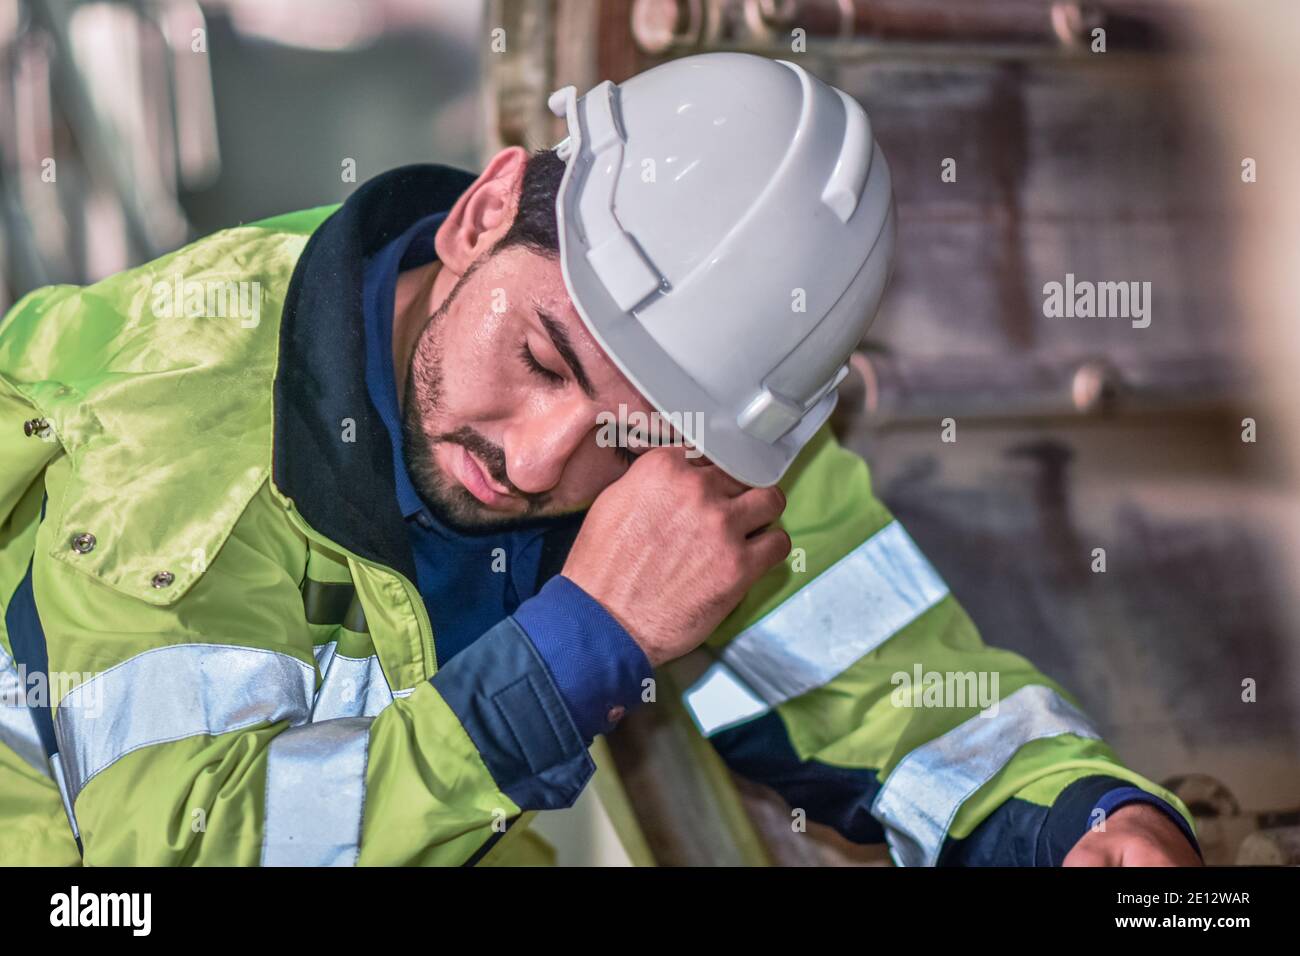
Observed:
{"x":563,"y":345}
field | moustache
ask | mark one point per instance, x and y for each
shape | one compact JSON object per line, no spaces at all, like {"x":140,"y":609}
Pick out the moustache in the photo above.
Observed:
{"x":493,"y":457}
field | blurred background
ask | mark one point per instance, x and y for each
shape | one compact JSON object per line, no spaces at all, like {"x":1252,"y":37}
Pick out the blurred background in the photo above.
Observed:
{"x":129,"y":128}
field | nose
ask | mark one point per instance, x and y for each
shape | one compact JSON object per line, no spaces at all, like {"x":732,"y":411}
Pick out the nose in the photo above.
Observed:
{"x":538,"y":447}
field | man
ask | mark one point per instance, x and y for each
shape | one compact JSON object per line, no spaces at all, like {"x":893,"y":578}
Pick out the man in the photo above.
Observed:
{"x":288,"y":577}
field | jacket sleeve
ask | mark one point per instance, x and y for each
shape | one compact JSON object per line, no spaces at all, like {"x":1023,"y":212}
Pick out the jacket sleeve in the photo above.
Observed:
{"x":185,"y":734}
{"x":852,"y":682}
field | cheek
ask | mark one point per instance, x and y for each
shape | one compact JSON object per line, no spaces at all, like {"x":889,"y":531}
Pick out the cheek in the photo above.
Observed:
{"x":472,"y":358}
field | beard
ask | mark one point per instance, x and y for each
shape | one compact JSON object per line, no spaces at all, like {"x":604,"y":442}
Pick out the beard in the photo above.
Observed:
{"x":445,"y":497}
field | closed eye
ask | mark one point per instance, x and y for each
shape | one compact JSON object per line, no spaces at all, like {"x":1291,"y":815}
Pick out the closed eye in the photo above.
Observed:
{"x":536,"y":367}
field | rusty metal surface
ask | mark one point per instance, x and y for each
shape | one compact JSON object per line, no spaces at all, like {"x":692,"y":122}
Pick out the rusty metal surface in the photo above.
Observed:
{"x":1156,"y":647}
{"x":682,"y":794}
{"x":683,"y":26}
{"x":1110,"y":173}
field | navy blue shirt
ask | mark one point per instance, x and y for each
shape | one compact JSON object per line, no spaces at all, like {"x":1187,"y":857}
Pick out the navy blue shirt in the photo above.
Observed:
{"x":469,"y":583}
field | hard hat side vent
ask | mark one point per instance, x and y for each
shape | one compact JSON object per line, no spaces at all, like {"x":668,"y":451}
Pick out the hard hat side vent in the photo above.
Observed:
{"x":844,"y":188}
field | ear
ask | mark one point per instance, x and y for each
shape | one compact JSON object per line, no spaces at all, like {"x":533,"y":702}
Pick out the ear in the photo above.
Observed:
{"x":484,"y":212}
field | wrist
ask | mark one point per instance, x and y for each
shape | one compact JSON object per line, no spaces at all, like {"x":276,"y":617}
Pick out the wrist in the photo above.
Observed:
{"x":595,"y":663}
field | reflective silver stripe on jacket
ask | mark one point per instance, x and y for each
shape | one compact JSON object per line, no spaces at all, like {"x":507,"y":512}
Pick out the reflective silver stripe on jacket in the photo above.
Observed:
{"x":18,"y":732}
{"x":352,"y":686}
{"x":315,"y":794}
{"x":922,"y":795}
{"x":720,"y":699}
{"x":17,"y":726}
{"x":817,"y":633}
{"x":170,"y":693}
{"x":56,"y":768}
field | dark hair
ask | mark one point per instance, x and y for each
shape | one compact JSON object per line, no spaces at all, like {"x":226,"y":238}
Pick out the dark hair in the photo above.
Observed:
{"x":534,"y":225}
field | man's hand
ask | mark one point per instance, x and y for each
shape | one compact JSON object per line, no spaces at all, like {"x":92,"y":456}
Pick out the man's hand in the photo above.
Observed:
{"x":671,"y":547}
{"x":1136,"y":834}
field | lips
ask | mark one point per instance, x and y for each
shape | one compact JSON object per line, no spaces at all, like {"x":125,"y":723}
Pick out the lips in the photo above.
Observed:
{"x":477,"y":481}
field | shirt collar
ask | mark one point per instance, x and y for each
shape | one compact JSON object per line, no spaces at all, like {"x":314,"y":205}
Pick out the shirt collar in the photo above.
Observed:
{"x":412,"y":248}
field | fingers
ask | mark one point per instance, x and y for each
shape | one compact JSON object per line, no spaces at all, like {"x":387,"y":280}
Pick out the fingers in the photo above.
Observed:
{"x":722,"y":483}
{"x":695,"y":459}
{"x":715,"y":479}
{"x":767,"y":549}
{"x":755,"y":508}
{"x":1086,"y":856}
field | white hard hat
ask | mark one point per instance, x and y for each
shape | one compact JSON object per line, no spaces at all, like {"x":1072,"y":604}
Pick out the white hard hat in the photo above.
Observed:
{"x":726,"y":232}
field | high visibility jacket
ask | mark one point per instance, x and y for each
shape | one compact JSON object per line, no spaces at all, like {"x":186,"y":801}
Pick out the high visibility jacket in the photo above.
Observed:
{"x":213,"y":651}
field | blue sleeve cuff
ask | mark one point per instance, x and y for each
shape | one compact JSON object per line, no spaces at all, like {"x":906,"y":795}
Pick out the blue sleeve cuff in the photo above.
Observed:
{"x":1072,"y":814}
{"x":1118,"y":797}
{"x":499,"y":690}
{"x":597,"y":667}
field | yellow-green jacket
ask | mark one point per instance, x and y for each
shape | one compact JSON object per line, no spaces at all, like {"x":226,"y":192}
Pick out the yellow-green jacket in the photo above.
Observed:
{"x":212,"y":650}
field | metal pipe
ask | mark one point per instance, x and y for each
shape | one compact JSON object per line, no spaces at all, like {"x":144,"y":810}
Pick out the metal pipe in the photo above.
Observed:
{"x":663,"y":26}
{"x":897,"y":389}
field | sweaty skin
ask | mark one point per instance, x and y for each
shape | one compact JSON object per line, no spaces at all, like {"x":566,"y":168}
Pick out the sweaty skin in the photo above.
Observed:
{"x":500,"y":386}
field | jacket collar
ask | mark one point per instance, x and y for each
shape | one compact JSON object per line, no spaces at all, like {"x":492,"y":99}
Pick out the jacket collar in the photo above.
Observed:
{"x":345,"y":489}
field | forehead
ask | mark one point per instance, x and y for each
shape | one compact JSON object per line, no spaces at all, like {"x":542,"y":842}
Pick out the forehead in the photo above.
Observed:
{"x":533,"y":280}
